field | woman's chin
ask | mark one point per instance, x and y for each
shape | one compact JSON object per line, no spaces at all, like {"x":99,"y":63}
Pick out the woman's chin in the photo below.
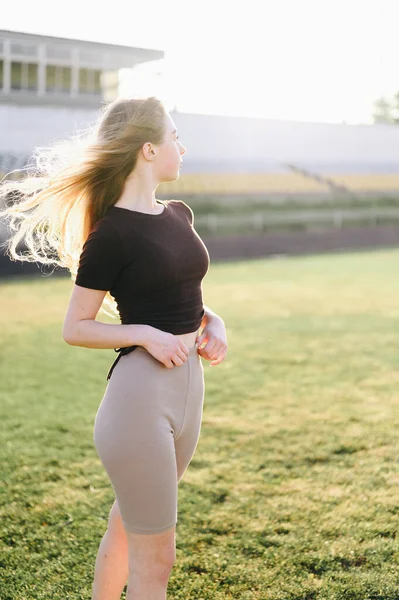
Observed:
{"x":172,"y":176}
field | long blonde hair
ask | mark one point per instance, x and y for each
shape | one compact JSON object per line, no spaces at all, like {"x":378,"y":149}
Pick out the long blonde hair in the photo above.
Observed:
{"x":74,"y":182}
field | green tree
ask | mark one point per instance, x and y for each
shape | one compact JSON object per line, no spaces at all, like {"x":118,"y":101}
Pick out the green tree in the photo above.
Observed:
{"x":383,"y":111}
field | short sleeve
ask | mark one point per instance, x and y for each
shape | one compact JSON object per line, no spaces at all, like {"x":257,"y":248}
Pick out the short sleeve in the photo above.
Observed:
{"x":102,"y":259}
{"x":188,"y":211}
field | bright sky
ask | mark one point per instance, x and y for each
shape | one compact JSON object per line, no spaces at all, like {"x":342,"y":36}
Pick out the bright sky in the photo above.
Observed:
{"x":309,"y":60}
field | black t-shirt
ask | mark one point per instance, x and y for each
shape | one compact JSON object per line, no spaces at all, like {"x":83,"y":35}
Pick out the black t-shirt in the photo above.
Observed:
{"x":152,"y":265}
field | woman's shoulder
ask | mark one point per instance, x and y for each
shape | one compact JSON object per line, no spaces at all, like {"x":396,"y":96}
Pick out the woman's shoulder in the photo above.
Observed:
{"x":107,"y":228}
{"x":181,"y":205}
{"x":104,"y":235}
{"x":102,"y":257}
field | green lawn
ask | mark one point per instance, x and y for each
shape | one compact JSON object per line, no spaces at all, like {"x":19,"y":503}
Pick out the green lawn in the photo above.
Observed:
{"x":293,"y":493}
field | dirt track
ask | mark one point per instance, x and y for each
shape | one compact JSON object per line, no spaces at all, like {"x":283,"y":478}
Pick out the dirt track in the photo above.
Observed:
{"x":238,"y":247}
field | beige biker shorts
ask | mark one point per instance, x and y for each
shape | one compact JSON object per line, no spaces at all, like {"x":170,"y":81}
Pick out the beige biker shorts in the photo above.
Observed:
{"x":146,"y":431}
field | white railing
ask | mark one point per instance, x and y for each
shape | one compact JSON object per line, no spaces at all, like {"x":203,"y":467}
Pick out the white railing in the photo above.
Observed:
{"x":259,"y":221}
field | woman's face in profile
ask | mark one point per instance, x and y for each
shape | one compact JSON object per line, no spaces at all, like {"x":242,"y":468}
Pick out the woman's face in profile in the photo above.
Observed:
{"x":170,"y":153}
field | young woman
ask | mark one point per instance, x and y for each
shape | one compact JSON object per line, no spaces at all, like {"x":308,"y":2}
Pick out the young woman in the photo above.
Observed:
{"x":90,"y":206}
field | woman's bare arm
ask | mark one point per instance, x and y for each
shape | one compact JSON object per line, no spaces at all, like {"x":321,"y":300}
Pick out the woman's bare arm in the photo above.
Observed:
{"x":82,"y":329}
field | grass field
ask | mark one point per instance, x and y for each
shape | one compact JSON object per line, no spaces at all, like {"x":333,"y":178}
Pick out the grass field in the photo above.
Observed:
{"x":293,"y":493}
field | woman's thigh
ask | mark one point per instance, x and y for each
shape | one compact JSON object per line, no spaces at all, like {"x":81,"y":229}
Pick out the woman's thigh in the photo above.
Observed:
{"x":187,"y":438}
{"x":145,"y":433}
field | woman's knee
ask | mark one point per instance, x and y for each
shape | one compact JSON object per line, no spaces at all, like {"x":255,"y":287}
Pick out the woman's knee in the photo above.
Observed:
{"x":152,"y":555}
{"x":115,"y":522}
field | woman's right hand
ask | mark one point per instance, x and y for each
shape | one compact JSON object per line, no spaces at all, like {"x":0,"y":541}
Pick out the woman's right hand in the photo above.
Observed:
{"x":166,"y":347}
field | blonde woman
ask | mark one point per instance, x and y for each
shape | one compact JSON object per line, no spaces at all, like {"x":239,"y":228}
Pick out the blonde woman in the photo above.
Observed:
{"x":90,"y":206}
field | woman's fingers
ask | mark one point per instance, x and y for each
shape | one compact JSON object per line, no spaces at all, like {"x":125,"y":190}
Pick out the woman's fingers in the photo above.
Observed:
{"x":219,"y":359}
{"x":214,"y":355}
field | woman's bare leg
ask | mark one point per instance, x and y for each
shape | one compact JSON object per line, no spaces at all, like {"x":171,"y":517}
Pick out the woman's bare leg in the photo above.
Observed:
{"x":112,"y":564}
{"x":151,"y":559}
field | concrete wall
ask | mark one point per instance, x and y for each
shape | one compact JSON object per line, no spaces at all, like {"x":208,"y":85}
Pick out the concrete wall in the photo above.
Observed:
{"x":216,"y":144}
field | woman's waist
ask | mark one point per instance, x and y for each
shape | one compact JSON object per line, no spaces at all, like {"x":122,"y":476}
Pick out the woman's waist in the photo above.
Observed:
{"x":188,"y":338}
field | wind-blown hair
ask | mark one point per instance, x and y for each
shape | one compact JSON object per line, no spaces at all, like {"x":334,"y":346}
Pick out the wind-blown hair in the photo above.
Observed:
{"x":73,"y":183}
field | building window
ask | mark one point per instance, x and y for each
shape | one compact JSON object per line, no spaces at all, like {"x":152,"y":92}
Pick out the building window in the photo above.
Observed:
{"x":84,"y":81}
{"x":16,"y":76}
{"x":61,"y":52}
{"x":1,"y":74}
{"x":110,"y":85}
{"x":58,"y":79}
{"x":24,"y":76}
{"x":89,"y":81}
{"x":22,"y":49}
{"x":32,"y":77}
{"x":97,"y":82}
{"x":88,"y":57}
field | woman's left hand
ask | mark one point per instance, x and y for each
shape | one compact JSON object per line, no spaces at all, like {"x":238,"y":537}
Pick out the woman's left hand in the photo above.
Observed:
{"x":214,"y":340}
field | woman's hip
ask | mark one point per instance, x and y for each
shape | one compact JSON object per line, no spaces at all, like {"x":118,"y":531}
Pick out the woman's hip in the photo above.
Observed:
{"x":143,"y":397}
